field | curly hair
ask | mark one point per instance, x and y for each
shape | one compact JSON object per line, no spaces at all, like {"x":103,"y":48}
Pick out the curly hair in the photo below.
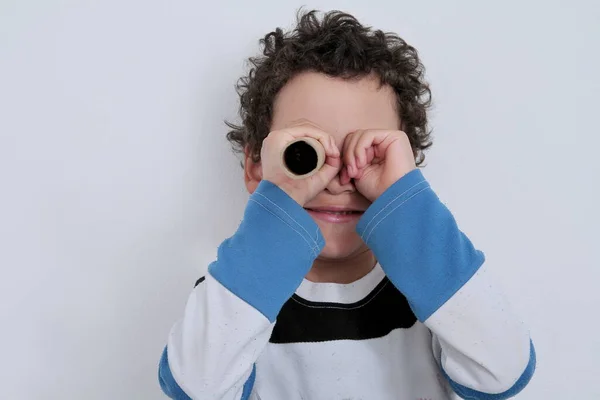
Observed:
{"x":338,"y":45}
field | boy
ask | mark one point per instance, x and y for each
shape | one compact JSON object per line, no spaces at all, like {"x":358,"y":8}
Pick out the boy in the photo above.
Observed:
{"x":354,"y":283}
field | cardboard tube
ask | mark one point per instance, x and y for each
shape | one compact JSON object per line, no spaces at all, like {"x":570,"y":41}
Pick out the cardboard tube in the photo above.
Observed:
{"x":302,"y":158}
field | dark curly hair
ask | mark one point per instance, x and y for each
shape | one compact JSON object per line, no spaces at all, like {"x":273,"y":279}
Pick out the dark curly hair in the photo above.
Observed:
{"x":339,"y":46}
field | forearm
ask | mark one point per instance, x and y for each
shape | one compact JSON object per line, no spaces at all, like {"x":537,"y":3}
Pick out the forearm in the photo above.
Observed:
{"x":229,"y":317}
{"x":483,"y":346}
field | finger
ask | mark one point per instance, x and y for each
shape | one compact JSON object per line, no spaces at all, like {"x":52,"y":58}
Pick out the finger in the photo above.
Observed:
{"x":360,"y":153}
{"x":349,"y":158}
{"x":334,"y":161}
{"x":362,"y":145}
{"x":332,"y":164}
{"x":346,"y":146}
{"x":383,"y":143}
{"x":344,"y":178}
{"x":335,"y":149}
{"x":305,"y":130}
{"x":373,"y":144}
{"x":360,"y":174}
{"x":331,"y":149}
{"x":353,"y":155}
{"x":370,"y":156}
{"x":328,"y":171}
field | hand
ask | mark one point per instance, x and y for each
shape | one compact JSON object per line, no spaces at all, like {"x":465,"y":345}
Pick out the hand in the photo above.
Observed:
{"x":301,"y":190}
{"x":376,"y":159}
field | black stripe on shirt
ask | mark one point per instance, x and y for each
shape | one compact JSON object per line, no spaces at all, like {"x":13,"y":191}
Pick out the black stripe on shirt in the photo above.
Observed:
{"x":380,"y":312}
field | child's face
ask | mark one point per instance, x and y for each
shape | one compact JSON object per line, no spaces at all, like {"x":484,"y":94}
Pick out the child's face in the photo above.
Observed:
{"x":338,"y":107}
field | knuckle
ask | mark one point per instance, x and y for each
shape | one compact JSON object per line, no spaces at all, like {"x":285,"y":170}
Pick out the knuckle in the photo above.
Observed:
{"x":269,"y":137}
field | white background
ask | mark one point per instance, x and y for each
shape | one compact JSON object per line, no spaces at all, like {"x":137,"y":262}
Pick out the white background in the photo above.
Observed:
{"x":117,"y":183}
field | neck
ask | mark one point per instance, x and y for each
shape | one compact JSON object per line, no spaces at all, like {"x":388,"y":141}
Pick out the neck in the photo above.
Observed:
{"x":346,"y":270}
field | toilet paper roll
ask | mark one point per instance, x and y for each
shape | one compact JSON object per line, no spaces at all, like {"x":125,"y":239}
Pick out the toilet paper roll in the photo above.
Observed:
{"x":303,"y":157}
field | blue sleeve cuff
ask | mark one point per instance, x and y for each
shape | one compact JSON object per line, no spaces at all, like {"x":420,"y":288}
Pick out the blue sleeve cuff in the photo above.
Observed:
{"x":249,"y":385}
{"x":470,"y":394}
{"x":170,"y":387}
{"x":264,"y":262}
{"x":418,"y":244}
{"x":166,"y":380}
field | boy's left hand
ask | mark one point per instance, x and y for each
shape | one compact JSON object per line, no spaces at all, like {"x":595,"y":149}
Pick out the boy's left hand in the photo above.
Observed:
{"x":376,"y":159}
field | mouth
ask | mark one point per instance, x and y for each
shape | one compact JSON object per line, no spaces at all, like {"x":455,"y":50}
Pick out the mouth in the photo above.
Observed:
{"x":334,"y":214}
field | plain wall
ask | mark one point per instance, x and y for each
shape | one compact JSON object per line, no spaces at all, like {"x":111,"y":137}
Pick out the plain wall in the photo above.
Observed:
{"x":117,"y":183}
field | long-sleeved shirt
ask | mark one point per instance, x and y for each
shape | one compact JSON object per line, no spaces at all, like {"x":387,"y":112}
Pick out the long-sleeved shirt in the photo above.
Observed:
{"x":428,"y":321}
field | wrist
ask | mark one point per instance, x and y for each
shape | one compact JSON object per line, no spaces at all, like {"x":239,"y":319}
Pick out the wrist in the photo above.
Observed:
{"x":293,"y":193}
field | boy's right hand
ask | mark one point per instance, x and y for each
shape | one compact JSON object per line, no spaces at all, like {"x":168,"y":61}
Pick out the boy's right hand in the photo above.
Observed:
{"x":301,"y":190}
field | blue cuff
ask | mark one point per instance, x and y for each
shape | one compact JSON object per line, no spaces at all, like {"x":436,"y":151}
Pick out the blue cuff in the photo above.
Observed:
{"x":170,"y":387}
{"x":470,"y":394}
{"x":264,"y":262}
{"x":247,"y":391}
{"x":418,"y":244}
{"x":166,"y":380}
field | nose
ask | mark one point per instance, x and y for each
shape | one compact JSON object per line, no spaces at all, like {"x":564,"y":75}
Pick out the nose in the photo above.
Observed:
{"x":335,"y":186}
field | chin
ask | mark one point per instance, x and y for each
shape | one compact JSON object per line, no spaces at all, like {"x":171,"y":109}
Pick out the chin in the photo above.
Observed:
{"x":337,"y":248}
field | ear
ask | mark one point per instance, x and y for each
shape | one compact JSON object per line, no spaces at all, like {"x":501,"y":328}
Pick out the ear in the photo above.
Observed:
{"x":252,"y":171}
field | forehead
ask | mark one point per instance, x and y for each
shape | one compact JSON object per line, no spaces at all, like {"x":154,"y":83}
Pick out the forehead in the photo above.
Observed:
{"x":337,"y":105}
